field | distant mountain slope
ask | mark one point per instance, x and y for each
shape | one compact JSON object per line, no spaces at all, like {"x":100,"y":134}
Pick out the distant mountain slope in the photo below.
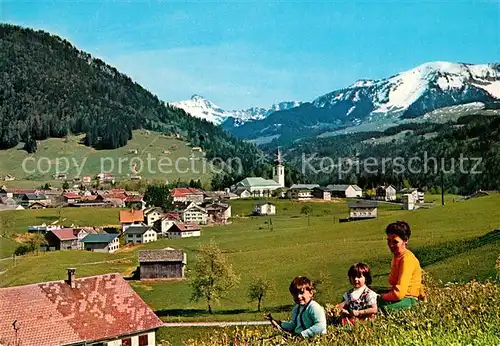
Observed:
{"x":202,"y":108}
{"x":48,"y":88}
{"x":408,"y":94}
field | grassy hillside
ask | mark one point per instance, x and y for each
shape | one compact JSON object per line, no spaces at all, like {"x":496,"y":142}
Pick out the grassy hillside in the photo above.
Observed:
{"x":450,"y":241}
{"x":120,"y":161}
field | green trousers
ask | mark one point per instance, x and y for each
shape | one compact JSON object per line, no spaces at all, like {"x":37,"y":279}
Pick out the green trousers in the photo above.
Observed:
{"x":404,"y":303}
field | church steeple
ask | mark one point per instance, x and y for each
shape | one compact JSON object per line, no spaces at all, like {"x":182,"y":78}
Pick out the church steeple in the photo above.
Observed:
{"x":279,"y":170}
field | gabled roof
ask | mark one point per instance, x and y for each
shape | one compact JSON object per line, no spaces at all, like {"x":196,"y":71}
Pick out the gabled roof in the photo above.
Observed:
{"x":257,"y":182}
{"x":195,"y":206}
{"x":115,"y":196}
{"x":161,"y":256}
{"x":52,"y":313}
{"x":72,"y":195}
{"x":99,"y":238}
{"x":185,"y":227}
{"x":64,"y":233}
{"x":363,"y":204}
{"x":184,"y":191}
{"x":127,"y":216}
{"x":343,"y":187}
{"x":136,"y":229}
{"x":133,"y":199}
{"x":171,"y":216}
{"x":35,"y":196}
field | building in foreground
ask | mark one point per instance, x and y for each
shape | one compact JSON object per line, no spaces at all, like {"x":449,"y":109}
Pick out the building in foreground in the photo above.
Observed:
{"x":96,"y":310}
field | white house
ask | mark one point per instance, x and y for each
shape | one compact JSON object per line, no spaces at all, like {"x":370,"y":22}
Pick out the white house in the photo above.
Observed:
{"x":301,"y":191}
{"x":195,"y":214}
{"x":385,"y":193}
{"x":418,"y":196}
{"x":409,"y":201}
{"x":184,"y":230}
{"x":151,"y":215}
{"x":264,"y":208}
{"x":345,"y":191}
{"x":101,"y":242}
{"x":361,"y":210}
{"x":163,"y":225}
{"x":140,"y":234}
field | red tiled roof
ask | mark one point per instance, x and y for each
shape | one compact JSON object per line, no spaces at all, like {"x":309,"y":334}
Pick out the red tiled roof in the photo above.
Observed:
{"x":117,"y":191}
{"x":187,"y":226}
{"x":89,"y":198}
{"x":52,"y":313}
{"x":183,"y":191}
{"x":171,"y":216}
{"x":64,"y":233}
{"x":116,"y":195}
{"x":72,"y":195}
{"x":131,"y":216}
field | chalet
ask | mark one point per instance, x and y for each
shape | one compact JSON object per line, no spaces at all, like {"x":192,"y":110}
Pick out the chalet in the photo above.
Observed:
{"x":131,"y":217}
{"x":51,"y":313}
{"x":345,"y":191}
{"x":30,"y":198}
{"x":162,"y":264}
{"x":95,"y":201}
{"x":184,"y":230}
{"x":218,"y":212}
{"x":37,"y":205}
{"x":195,"y":213}
{"x":140,"y":234}
{"x":151,"y":215}
{"x":301,"y":191}
{"x":322,"y":193}
{"x":361,"y":210}
{"x":70,"y":197}
{"x":18,"y":193}
{"x":116,"y":199}
{"x":385,"y":193}
{"x":168,"y":220}
{"x":81,"y":233}
{"x":264,"y":208}
{"x":62,"y":239}
{"x":101,"y":242}
{"x":187,"y":195}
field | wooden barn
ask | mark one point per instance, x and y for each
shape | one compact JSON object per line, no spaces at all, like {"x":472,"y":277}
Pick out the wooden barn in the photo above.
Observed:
{"x":162,"y":264}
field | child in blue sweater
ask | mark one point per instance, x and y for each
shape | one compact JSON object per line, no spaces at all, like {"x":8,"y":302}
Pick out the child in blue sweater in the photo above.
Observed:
{"x":308,"y":317}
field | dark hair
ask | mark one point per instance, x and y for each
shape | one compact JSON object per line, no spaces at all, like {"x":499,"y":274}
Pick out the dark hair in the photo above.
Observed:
{"x":300,"y":283}
{"x":399,"y":228}
{"x":360,"y":269}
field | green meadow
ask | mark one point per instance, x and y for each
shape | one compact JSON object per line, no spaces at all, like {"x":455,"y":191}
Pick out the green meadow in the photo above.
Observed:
{"x":456,"y":242}
{"x":169,"y":159}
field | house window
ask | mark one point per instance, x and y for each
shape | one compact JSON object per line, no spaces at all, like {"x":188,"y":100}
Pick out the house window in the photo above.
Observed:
{"x":127,"y":342}
{"x":143,"y":340}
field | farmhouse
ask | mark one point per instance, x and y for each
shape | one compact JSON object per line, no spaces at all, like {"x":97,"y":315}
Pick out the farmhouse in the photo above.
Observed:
{"x":195,"y":213}
{"x":62,"y":239}
{"x":140,"y":234}
{"x":218,"y":212}
{"x":96,"y":310}
{"x":151,"y":215}
{"x":130,"y":217}
{"x":29,"y":198}
{"x":162,"y":264}
{"x":361,"y":210}
{"x":385,"y":193}
{"x":322,"y":193}
{"x":184,"y":230}
{"x":345,"y":191}
{"x":264,"y":208}
{"x":418,"y":196}
{"x":163,"y":225}
{"x":101,"y":242}
{"x":301,"y":191}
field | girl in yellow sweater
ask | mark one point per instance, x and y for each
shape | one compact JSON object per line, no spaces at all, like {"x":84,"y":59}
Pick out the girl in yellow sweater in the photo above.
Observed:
{"x":406,"y":275}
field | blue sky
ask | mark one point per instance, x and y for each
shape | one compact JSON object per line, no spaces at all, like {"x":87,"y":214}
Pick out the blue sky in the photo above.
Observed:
{"x":240,"y":54}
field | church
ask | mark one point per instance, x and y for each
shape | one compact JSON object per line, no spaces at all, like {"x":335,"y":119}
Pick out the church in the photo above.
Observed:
{"x":260,"y":187}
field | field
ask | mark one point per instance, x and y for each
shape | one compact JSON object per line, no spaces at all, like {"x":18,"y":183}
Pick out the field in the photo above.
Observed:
{"x":42,"y":165}
{"x":455,"y":242}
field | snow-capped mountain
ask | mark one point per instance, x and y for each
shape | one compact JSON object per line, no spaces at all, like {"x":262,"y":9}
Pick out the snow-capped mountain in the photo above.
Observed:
{"x":202,"y":108}
{"x":408,"y":94}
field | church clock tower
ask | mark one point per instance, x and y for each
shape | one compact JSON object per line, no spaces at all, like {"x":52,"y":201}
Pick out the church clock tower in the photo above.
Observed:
{"x":279,"y":170}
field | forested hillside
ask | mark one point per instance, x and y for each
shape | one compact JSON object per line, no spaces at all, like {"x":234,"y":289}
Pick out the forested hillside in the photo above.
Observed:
{"x":475,"y":138}
{"x":49,"y":88}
